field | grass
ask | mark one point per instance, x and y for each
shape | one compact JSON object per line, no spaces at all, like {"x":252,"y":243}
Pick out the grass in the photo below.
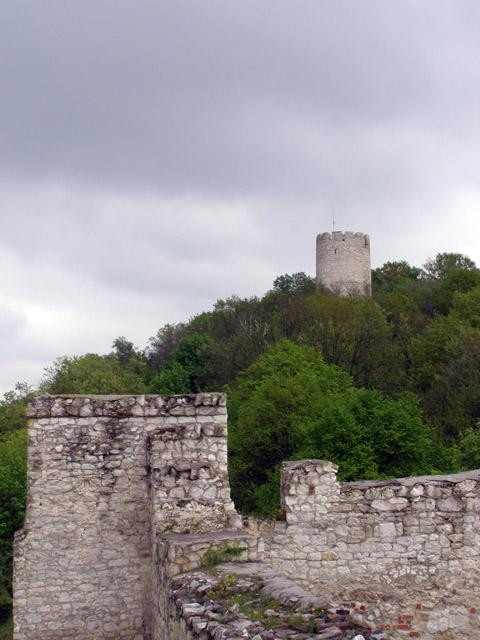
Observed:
{"x":251,"y":603}
{"x":211,"y":557}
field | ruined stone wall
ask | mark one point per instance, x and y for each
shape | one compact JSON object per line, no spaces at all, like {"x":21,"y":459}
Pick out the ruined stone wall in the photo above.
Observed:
{"x":414,"y":540}
{"x":402,"y":525}
{"x":129,"y":493}
{"x":178,"y":554}
{"x":343,"y":263}
{"x":106,"y":475}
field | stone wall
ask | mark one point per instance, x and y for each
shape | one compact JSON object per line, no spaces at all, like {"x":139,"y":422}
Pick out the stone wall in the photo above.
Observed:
{"x":343,"y":263}
{"x":250,"y":600}
{"x":129,"y":493}
{"x":404,"y":525}
{"x":106,"y":475}
{"x":412,"y":540}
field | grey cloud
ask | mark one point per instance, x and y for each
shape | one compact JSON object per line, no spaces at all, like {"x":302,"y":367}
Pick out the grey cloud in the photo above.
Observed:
{"x":135,"y":242}
{"x":155,"y":156}
{"x":189,"y":96}
{"x":11,"y":324}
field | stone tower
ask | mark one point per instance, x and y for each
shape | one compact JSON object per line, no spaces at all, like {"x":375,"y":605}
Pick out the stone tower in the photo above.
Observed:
{"x":343,"y":263}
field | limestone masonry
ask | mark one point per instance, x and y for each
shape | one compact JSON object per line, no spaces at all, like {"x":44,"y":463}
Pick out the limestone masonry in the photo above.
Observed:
{"x":129,"y":504}
{"x":343,"y":263}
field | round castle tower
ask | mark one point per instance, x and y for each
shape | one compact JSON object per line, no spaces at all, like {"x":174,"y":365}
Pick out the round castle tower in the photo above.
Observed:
{"x":343,"y":263}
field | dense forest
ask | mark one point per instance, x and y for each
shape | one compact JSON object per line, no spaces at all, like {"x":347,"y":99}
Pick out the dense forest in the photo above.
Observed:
{"x":384,"y":386}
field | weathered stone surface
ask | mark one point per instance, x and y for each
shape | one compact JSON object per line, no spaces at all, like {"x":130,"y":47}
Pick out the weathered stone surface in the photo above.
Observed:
{"x":419,"y":534}
{"x":207,"y":606}
{"x":107,"y":474}
{"x":127,"y":494}
{"x":343,"y":263}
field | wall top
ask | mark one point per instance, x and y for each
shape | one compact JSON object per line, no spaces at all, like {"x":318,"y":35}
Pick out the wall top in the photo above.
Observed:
{"x":124,"y":406}
{"x":297,"y":465}
{"x":297,"y":468}
{"x":410,"y":481}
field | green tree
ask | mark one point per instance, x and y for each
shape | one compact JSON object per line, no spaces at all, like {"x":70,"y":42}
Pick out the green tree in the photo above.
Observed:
{"x":394,"y":274}
{"x":91,"y":373}
{"x":403,"y":309}
{"x":241,"y":328}
{"x":469,"y":447}
{"x":368,"y":435}
{"x":13,"y":468}
{"x":266,"y":405}
{"x":354,"y":334}
{"x":456,"y":281}
{"x":124,"y":350}
{"x":131,"y":359}
{"x":12,"y":408}
{"x":162,"y":345}
{"x":439,"y":267}
{"x":188,"y":369}
{"x":466,"y":308}
{"x":171,"y":380}
{"x":445,"y":372}
{"x":290,"y":404}
{"x":294,"y":283}
{"x":193,"y":355}
{"x":285,"y":305}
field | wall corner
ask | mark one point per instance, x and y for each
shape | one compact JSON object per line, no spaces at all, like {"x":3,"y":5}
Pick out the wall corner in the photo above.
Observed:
{"x":307,"y":488}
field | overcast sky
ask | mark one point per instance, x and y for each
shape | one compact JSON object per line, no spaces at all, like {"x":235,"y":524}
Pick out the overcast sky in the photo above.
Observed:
{"x":158,"y":155}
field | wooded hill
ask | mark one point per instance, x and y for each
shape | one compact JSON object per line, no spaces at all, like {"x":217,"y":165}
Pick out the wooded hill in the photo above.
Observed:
{"x":383,"y":386}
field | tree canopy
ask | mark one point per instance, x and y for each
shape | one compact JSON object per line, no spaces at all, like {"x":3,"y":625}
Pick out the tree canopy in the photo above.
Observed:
{"x":92,"y":373}
{"x":289,"y":404}
{"x":384,"y":386}
{"x":439,"y":267}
